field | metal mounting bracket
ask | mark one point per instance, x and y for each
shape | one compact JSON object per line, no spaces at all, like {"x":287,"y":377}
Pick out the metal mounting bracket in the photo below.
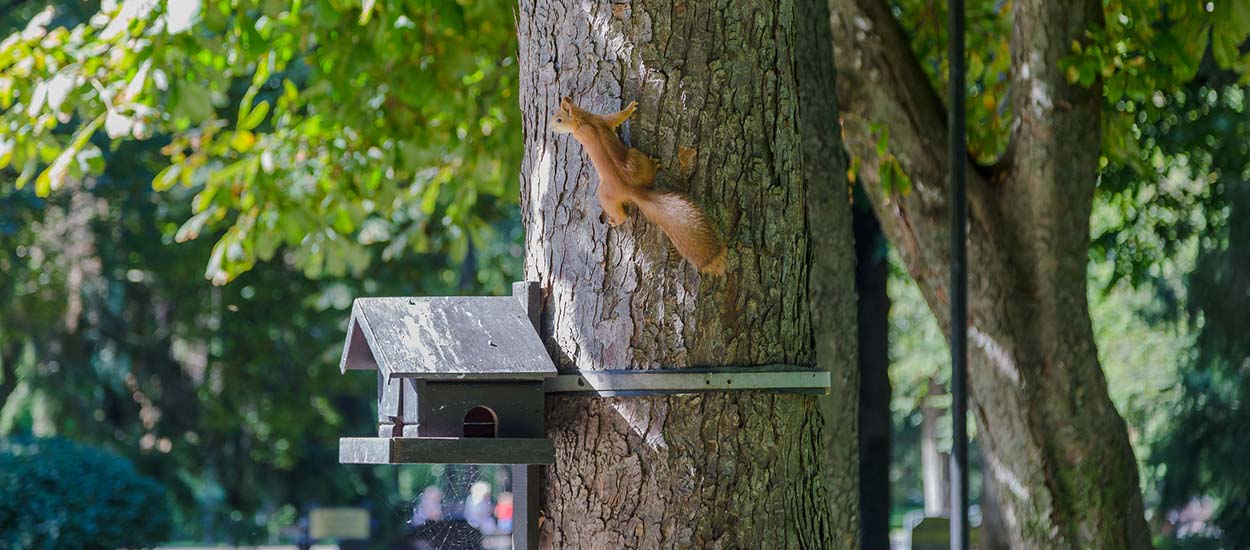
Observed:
{"x":792,"y":379}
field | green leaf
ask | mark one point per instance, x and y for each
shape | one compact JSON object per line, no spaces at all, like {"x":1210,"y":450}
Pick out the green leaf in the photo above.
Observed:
{"x":54,"y":175}
{"x":429,"y":198}
{"x":1224,"y":45}
{"x":28,"y":171}
{"x":255,"y":116}
{"x":6,"y":152}
{"x":166,"y":178}
{"x":117,"y":125}
{"x":1087,"y":72}
{"x":976,"y":67}
{"x":192,"y":227}
{"x":266,"y":243}
{"x":243,"y":141}
{"x":215,"y":271}
{"x":343,"y":222}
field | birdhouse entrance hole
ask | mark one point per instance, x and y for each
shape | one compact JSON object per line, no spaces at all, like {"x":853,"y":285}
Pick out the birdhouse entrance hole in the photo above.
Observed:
{"x":480,"y":422}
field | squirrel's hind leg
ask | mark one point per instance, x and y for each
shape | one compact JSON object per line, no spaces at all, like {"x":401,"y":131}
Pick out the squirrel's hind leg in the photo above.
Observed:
{"x":613,"y":209}
{"x":640,"y":168}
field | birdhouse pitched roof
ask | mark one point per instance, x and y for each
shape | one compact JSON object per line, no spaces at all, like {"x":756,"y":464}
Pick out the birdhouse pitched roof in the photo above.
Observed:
{"x":445,"y":338}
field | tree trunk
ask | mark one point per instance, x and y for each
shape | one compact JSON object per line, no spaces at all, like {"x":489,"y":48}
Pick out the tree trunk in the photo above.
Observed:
{"x":935,"y":464}
{"x":993,"y":530}
{"x":872,"y":273}
{"x":1055,"y":443}
{"x":734,"y":100}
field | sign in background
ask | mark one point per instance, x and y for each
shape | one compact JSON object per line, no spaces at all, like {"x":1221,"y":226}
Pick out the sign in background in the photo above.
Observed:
{"x":339,"y":523}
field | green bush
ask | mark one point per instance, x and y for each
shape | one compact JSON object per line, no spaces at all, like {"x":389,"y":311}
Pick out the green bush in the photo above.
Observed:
{"x":58,"y":494}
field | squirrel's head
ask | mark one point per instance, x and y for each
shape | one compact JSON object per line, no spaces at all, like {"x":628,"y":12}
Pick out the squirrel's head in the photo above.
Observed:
{"x":569,"y":118}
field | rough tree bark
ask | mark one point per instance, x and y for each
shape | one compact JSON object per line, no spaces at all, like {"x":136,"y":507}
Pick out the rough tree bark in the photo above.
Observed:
{"x":1056,"y":445}
{"x":993,"y":531}
{"x":734,"y":99}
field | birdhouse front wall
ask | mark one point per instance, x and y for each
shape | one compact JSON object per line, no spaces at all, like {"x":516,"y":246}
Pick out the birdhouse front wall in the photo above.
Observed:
{"x":410,"y":407}
{"x":442,"y":407}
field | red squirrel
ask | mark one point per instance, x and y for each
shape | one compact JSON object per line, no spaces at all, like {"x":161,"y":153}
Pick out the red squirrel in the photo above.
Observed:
{"x":625,"y":175}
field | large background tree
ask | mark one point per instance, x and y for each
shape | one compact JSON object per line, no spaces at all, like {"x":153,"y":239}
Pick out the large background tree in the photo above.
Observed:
{"x":1055,"y":442}
{"x":734,"y":99}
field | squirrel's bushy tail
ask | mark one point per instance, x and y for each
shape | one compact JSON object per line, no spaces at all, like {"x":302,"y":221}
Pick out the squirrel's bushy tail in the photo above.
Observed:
{"x":687,"y":226}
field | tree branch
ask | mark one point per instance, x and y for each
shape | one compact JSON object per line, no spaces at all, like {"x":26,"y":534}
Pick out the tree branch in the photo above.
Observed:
{"x":1056,"y":139}
{"x":883,"y":88}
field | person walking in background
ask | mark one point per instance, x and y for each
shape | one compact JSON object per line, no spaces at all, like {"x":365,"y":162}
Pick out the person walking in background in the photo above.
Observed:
{"x":503,"y":512}
{"x":478,"y":508}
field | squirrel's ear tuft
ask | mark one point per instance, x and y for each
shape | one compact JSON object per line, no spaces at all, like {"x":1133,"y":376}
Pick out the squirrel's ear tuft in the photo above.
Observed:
{"x":566,"y":104}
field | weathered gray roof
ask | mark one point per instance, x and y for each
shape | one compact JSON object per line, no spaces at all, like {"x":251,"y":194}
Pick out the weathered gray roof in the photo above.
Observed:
{"x":441,"y":338}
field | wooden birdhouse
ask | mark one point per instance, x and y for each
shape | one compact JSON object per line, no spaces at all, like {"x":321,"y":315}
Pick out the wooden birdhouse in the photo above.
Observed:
{"x":460,"y":379}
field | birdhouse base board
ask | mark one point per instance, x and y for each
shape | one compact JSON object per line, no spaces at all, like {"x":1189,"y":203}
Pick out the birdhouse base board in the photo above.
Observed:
{"x":445,"y":450}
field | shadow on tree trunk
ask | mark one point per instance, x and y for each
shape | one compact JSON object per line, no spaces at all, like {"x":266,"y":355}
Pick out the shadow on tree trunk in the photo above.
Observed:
{"x":872,"y":272}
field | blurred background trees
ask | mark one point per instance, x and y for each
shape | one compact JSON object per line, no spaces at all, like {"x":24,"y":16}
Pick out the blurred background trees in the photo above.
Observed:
{"x":363,"y":164}
{"x":58,"y":494}
{"x":191,"y":197}
{"x":1168,"y":277}
{"x":324,"y":129}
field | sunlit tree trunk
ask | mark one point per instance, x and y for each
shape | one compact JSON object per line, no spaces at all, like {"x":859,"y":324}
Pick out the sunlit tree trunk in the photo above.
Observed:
{"x":1054,"y":442}
{"x":735,"y":101}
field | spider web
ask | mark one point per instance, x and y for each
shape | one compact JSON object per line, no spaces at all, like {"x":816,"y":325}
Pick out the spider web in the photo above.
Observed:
{"x":460,"y":507}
